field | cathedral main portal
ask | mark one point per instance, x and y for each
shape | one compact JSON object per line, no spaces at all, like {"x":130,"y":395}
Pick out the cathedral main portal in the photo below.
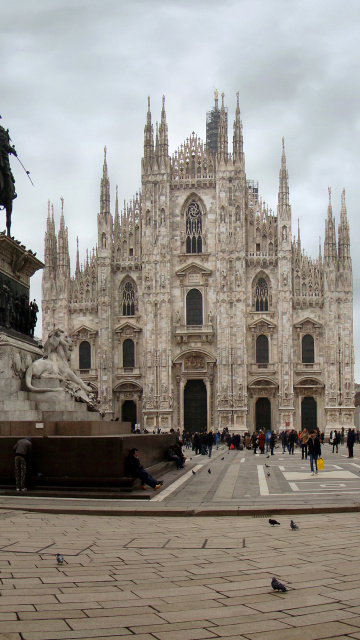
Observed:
{"x":195,"y":406}
{"x":263,"y":414}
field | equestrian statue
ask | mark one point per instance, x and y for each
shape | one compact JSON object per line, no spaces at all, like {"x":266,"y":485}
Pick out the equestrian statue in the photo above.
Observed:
{"x":7,"y":180}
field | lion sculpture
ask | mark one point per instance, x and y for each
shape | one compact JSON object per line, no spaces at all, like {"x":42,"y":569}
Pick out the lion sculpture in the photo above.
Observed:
{"x":55,"y":364}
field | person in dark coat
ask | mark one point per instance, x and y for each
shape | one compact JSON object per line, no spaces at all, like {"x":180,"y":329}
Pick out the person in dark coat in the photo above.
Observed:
{"x":210,"y":442}
{"x":350,"y":441}
{"x":272,"y":442}
{"x":134,"y":469}
{"x":314,"y":449}
{"x":22,"y":451}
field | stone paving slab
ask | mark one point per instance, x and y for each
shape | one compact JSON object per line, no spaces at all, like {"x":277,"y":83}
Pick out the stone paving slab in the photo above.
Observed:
{"x":186,"y":579}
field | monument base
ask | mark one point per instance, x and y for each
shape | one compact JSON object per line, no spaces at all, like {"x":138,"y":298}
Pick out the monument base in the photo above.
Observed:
{"x":17,"y":403}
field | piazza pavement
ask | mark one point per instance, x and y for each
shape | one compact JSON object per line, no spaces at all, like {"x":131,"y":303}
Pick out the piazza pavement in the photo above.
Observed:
{"x":132,"y":571}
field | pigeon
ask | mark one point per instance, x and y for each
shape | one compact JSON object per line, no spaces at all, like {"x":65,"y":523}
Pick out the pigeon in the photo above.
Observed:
{"x":268,"y":474}
{"x":277,"y":586}
{"x":209,"y":470}
{"x":59,"y":558}
{"x":293,"y":525}
{"x":273,"y":522}
{"x":267,"y":457}
{"x":222,"y":458}
{"x":193,"y":472}
{"x":267,"y":466}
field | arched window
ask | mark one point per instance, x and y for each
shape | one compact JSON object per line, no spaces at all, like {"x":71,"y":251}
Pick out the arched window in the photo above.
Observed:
{"x":308,"y":355}
{"x":194,"y":307}
{"x":128,"y":353}
{"x":84,"y":355}
{"x":193,"y":229}
{"x":127,"y":301}
{"x":262,"y":350}
{"x":261,"y":295}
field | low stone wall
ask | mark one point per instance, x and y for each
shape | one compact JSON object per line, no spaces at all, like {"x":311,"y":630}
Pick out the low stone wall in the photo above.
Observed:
{"x":23,"y":428}
{"x":82,"y":461}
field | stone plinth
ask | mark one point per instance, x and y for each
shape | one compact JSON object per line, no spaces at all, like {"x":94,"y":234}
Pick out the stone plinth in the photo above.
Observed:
{"x":82,"y":461}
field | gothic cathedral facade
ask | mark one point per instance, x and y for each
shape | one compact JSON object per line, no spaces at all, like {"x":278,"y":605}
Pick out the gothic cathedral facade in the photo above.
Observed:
{"x":198,"y":309}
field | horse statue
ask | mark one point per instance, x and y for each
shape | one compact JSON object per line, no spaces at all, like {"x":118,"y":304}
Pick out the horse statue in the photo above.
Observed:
{"x":7,"y":180}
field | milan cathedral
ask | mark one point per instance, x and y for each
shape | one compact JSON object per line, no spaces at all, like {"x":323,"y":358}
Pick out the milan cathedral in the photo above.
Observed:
{"x":199,"y":309}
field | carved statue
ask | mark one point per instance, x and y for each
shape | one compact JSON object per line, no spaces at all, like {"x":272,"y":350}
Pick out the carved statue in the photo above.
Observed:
{"x":55,"y":364}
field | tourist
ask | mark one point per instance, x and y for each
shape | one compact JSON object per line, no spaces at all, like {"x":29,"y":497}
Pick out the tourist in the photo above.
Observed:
{"x":304,"y":439}
{"x":22,"y":451}
{"x":261,"y":441}
{"x":133,"y":469}
{"x":314,"y":448}
{"x":292,"y":439}
{"x":210,"y":442}
{"x":172,"y":456}
{"x":272,"y":442}
{"x":336,"y":441}
{"x":267,"y":440}
{"x":350,"y":441}
{"x":254,"y":442}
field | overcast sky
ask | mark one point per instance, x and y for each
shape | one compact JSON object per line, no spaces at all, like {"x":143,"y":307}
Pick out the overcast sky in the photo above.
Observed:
{"x":75,"y":76}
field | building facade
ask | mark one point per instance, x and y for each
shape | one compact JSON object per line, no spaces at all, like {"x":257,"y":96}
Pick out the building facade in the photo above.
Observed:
{"x":198,"y":308}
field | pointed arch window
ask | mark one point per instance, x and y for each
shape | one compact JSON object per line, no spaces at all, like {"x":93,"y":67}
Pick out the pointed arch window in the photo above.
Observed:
{"x":84,"y":355}
{"x":127,"y":300}
{"x":261,"y":295}
{"x":194,"y":307}
{"x":128,"y":353}
{"x":262,"y":350}
{"x":193,"y":229}
{"x":308,"y":351}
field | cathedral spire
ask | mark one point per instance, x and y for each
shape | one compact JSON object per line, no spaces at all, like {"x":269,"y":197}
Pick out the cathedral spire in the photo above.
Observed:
{"x":238,"y":137}
{"x":284,"y":209}
{"x":222,"y":148}
{"x":343,"y":233}
{"x":63,"y":256}
{"x":163,"y":133}
{"x":148,"y":138}
{"x":105,"y":189}
{"x":77,"y":266}
{"x":330,"y":236}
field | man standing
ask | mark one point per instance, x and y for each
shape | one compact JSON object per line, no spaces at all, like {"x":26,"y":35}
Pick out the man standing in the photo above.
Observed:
{"x":22,"y":451}
{"x":350,"y":441}
{"x":314,"y":448}
{"x":210,"y":442}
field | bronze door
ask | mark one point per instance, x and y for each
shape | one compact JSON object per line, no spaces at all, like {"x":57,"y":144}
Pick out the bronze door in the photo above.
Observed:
{"x":195,"y":406}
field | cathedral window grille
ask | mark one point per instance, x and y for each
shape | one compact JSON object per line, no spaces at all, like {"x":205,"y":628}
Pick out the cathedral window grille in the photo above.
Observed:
{"x":193,"y":229}
{"x":128,"y":353}
{"x":84,"y":355}
{"x":194,"y":307}
{"x":128,"y":299}
{"x":262,"y":350}
{"x":261,"y":295}
{"x":308,"y":352}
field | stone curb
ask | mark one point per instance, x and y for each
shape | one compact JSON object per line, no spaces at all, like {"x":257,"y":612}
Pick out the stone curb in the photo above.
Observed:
{"x":181,"y":513}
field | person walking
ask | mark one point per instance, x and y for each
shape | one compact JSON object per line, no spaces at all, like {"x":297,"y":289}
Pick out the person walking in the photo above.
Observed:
{"x":314,"y":448}
{"x":22,"y":451}
{"x":267,"y":440}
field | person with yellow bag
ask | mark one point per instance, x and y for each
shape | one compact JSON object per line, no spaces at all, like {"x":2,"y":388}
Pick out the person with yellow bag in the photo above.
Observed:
{"x":314,"y":449}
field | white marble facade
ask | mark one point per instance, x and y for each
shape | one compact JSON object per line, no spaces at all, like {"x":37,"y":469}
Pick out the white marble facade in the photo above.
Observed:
{"x":199,"y":308}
